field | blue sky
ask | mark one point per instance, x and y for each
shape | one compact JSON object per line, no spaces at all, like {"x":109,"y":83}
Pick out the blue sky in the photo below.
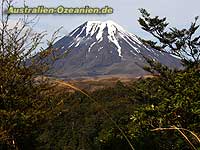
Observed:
{"x":179,"y":13}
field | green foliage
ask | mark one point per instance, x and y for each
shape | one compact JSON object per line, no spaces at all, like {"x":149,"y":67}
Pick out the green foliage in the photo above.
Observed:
{"x":179,"y":106}
{"x":36,"y":114}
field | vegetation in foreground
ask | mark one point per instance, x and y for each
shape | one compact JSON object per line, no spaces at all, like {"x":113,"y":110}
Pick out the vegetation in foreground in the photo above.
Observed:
{"x":153,"y":113}
{"x":161,"y":103}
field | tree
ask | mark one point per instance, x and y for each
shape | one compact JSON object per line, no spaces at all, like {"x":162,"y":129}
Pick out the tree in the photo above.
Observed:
{"x":173,"y":101}
{"x":25,"y":102}
{"x":182,"y":43}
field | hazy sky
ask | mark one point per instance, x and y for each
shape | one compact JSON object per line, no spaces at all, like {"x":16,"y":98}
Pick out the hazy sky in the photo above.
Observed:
{"x":179,"y":13}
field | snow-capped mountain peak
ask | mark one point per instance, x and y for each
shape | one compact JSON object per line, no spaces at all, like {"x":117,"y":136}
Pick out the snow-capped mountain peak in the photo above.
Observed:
{"x":98,"y":29}
{"x":98,"y":26}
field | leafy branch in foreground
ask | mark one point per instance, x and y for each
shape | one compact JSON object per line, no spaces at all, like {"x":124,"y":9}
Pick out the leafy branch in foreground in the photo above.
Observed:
{"x":183,"y":43}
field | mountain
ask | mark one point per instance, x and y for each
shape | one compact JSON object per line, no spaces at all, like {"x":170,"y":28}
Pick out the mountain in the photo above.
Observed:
{"x":104,"y":48}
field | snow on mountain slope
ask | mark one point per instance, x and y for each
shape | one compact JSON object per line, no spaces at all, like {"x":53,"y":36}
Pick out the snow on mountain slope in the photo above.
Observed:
{"x":104,"y":48}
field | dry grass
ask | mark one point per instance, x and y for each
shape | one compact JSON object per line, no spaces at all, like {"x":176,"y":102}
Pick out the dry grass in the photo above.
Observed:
{"x":92,"y":84}
{"x":180,"y":130}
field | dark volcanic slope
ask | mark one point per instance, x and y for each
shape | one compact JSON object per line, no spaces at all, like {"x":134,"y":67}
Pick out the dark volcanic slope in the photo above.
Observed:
{"x":104,"y":48}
